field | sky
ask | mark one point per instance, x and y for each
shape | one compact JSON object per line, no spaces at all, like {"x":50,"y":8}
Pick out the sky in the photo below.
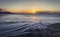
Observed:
{"x":30,"y":5}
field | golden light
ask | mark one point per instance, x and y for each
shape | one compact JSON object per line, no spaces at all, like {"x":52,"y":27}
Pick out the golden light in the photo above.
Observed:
{"x":33,"y":11}
{"x":30,"y":10}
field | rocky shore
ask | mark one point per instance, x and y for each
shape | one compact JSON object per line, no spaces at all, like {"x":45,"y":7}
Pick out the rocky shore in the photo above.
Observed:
{"x":52,"y":30}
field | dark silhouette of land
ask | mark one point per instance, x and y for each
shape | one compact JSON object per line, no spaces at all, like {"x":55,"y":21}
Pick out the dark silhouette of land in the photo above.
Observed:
{"x":5,"y":12}
{"x":2,"y":11}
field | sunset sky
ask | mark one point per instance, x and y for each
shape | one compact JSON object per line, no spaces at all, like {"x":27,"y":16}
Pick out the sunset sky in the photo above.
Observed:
{"x":30,"y":5}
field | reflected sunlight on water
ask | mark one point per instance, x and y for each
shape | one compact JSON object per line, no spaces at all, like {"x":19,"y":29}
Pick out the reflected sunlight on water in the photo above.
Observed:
{"x":31,"y":18}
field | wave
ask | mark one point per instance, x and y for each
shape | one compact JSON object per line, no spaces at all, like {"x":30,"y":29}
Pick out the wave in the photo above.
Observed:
{"x":39,"y":29}
{"x":12,"y":22}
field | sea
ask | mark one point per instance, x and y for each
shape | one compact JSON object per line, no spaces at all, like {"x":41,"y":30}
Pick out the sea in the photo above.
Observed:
{"x":15,"y":24}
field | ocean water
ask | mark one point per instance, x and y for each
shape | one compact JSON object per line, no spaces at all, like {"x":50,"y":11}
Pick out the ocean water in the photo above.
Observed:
{"x":15,"y":18}
{"x":14,"y":24}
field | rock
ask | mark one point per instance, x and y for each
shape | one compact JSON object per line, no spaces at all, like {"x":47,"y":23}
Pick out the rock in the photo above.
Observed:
{"x":57,"y":34}
{"x":52,"y":30}
{"x":54,"y":27}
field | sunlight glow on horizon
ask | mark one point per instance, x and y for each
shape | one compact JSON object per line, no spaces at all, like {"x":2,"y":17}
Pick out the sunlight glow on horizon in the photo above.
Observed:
{"x":30,"y":6}
{"x":33,"y":10}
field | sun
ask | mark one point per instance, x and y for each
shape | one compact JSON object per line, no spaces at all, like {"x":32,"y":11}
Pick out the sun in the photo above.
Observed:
{"x":33,"y":11}
{"x":29,"y":11}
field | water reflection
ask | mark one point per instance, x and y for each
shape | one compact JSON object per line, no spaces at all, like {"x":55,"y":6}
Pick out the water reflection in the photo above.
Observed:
{"x":33,"y":18}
